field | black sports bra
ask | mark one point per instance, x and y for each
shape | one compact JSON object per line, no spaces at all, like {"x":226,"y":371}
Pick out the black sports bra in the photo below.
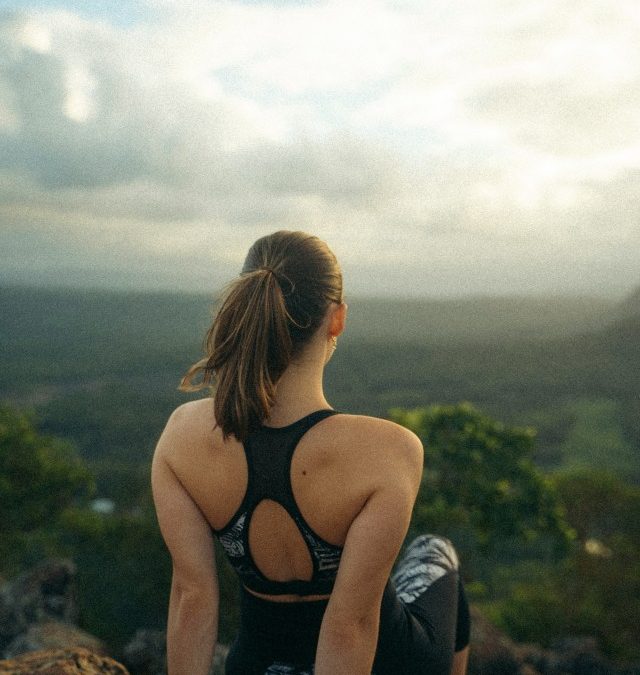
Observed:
{"x":269,"y":451}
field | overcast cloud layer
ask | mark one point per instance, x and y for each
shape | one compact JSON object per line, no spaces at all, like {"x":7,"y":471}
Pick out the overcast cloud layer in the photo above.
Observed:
{"x":440,"y":148}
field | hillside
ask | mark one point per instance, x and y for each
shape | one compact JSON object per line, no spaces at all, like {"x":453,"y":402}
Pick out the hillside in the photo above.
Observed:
{"x":478,"y":319}
{"x":35,"y":313}
{"x":101,"y":368}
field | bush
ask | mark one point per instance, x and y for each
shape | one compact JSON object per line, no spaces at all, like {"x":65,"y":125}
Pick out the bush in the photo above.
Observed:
{"x":479,"y":476}
{"x":40,"y":477}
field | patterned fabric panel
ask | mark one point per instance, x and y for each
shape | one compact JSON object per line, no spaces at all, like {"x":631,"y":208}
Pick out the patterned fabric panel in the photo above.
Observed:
{"x":426,"y":560}
{"x":232,"y":543}
{"x":328,"y":556}
{"x":288,"y":669}
{"x":231,"y":540}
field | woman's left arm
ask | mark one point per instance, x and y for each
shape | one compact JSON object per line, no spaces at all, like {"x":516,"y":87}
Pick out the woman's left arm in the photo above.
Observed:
{"x":192,"y":624}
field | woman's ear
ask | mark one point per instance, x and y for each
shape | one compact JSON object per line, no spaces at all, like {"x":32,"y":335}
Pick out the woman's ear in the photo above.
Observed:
{"x":338,"y":319}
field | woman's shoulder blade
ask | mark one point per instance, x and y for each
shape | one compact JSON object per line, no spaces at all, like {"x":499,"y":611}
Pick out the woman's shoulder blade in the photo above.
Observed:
{"x":188,"y":424}
{"x":386,"y":452}
{"x":377,"y":432}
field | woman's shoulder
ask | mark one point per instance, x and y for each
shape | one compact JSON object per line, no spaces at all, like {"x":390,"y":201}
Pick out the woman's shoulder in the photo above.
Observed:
{"x":197,"y":411}
{"x":376,"y":427}
{"x":376,"y":433}
{"x":372,"y":453}
{"x":188,"y":425}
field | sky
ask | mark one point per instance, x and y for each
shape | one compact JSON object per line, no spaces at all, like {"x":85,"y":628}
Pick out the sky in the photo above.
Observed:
{"x":441,"y":149}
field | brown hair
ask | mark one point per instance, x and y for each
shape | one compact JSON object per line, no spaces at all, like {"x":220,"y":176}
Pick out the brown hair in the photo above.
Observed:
{"x":265,"y":318}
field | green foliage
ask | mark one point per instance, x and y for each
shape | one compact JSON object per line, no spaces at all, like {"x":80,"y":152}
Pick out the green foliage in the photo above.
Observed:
{"x":596,"y":589}
{"x":123,"y":572}
{"x":124,"y":575}
{"x":602,"y":590}
{"x":533,"y":610}
{"x":589,"y":593}
{"x":479,"y":474}
{"x":599,"y":504}
{"x":596,"y":438}
{"x":39,"y":477}
{"x":552,"y":423}
{"x":630,"y":419}
{"x":603,"y":576}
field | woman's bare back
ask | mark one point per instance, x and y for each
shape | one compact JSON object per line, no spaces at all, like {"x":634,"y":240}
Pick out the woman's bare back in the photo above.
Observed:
{"x":336,"y":466}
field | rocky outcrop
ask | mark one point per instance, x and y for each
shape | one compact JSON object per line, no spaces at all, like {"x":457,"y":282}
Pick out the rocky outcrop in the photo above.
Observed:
{"x":572,"y":656}
{"x":146,"y":654}
{"x":37,"y":614}
{"x":44,"y":593}
{"x":48,"y":635}
{"x":63,"y":662}
{"x":491,"y":651}
{"x":494,"y":653}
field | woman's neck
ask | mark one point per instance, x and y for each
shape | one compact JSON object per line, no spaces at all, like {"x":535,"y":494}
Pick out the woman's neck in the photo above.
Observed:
{"x":299,"y":390}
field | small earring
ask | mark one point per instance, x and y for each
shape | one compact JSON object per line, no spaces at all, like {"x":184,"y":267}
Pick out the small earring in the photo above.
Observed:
{"x":334,"y":341}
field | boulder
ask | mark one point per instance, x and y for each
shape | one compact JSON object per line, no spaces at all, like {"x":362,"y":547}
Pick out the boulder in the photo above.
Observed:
{"x":492,"y":652}
{"x":572,"y":656}
{"x":582,"y":656}
{"x":63,"y":662}
{"x":46,"y":591}
{"x":146,"y":654}
{"x":49,"y":635}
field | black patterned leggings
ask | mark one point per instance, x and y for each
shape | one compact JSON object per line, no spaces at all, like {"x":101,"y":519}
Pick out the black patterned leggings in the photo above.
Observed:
{"x":428,"y":587}
{"x":428,"y":559}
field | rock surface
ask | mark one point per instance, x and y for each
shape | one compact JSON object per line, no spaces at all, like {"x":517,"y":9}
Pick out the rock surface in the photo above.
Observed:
{"x":494,"y":653}
{"x":491,"y":651}
{"x":63,"y":662}
{"x":47,"y":591}
{"x":37,"y":614}
{"x":146,"y":654}
{"x":38,"y":611}
{"x":50,"y":635}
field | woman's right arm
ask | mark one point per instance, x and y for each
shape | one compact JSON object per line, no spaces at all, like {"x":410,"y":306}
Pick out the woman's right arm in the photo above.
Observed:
{"x":349,"y":632}
{"x":192,"y":623}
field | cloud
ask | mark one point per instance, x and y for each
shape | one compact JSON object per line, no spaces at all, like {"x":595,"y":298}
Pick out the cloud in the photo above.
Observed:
{"x":439,"y":138}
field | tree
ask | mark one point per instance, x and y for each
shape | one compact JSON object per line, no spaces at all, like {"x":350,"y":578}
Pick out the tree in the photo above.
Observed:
{"x":479,"y":476}
{"x":600,"y":505}
{"x":39,"y":477}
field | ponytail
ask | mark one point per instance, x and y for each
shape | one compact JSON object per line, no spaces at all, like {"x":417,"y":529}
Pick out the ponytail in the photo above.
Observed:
{"x":249,"y":347}
{"x":258,"y":329}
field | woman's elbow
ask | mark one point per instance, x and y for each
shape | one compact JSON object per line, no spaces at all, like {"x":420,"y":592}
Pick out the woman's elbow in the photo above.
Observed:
{"x":194,"y":587}
{"x":193,"y":600}
{"x":345,"y":633}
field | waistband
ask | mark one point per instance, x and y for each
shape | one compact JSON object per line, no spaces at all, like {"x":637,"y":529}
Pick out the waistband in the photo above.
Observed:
{"x":280,"y":630}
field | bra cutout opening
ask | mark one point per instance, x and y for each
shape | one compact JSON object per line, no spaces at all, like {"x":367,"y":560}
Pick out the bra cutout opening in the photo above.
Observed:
{"x":277,"y":546}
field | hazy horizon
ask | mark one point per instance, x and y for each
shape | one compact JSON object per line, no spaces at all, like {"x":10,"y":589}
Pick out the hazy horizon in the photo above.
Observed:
{"x":361,"y":295}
